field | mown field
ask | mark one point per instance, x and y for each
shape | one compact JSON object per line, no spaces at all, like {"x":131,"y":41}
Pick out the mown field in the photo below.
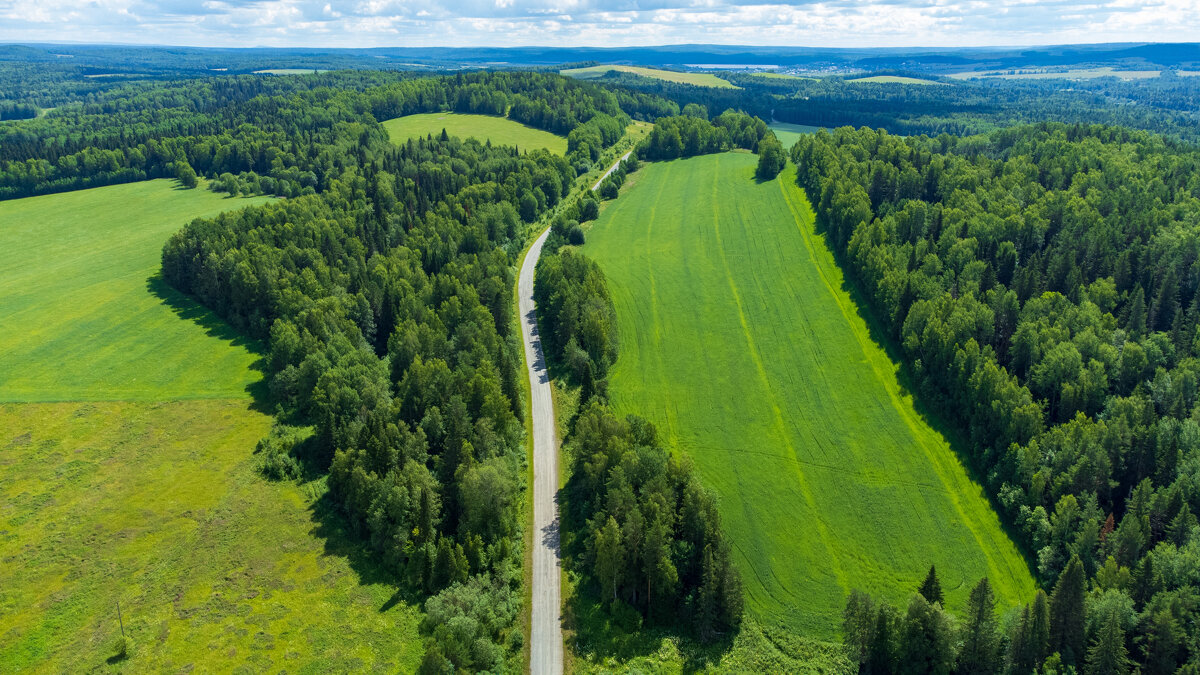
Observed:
{"x":894,"y":79}
{"x":1070,"y":74}
{"x":788,"y":134}
{"x":132,"y":477}
{"x":499,"y":130}
{"x":697,"y":79}
{"x":739,"y":341}
{"x":85,"y":315}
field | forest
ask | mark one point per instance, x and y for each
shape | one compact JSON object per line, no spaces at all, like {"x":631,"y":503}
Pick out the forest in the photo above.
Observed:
{"x":1040,"y":284}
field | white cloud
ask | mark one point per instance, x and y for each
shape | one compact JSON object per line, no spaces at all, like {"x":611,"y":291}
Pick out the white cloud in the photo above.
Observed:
{"x":364,"y":23}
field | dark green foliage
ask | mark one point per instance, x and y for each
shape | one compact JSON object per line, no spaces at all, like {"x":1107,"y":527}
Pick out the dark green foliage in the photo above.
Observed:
{"x":926,"y":645}
{"x":1108,"y":654}
{"x":650,"y":533}
{"x":687,"y":136}
{"x":931,"y":588}
{"x":1067,"y":614}
{"x":771,"y":158}
{"x":577,"y":322}
{"x":980,"y":651}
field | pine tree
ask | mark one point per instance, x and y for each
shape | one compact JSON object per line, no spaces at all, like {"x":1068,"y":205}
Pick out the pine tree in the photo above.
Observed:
{"x":931,"y":588}
{"x":1067,"y":614}
{"x":1108,"y":655}
{"x":1039,"y":627}
{"x":1163,"y":643}
{"x":881,"y":655}
{"x":981,"y":642}
{"x":1135,"y":325}
{"x":610,"y":557}
{"x":926,"y":644}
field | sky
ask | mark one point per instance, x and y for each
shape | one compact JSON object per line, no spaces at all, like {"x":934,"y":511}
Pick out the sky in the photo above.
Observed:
{"x":615,"y":23}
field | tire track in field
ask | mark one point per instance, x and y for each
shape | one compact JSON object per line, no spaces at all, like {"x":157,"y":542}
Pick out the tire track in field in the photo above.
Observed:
{"x":780,"y":425}
{"x":905,"y":412}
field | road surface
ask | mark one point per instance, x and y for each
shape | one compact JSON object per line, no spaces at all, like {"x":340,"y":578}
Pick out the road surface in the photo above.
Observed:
{"x":611,"y":169}
{"x":546,"y":641}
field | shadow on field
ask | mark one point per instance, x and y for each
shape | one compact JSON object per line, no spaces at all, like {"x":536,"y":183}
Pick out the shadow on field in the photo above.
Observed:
{"x":185,"y":307}
{"x":925,"y":404}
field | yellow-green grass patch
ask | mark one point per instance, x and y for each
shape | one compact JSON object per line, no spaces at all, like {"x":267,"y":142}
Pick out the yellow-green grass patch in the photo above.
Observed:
{"x":781,"y":76}
{"x":893,"y":79}
{"x":697,"y":79}
{"x":740,"y":342}
{"x":290,"y":71}
{"x":498,"y":130}
{"x":1072,"y":74}
{"x":158,"y":506}
{"x":85,"y":314}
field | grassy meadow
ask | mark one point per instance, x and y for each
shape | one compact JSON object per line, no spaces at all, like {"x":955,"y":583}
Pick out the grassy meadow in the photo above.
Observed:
{"x":128,"y":475}
{"x":740,"y":342}
{"x":788,"y":134}
{"x":1069,"y":74}
{"x":499,"y":130}
{"x":85,"y":315}
{"x":697,"y":79}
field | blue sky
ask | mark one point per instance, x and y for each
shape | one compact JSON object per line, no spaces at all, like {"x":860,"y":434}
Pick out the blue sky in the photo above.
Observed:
{"x":391,"y":23}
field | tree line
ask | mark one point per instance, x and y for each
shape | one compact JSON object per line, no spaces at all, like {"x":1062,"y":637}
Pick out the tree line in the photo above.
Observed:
{"x":1041,"y":285}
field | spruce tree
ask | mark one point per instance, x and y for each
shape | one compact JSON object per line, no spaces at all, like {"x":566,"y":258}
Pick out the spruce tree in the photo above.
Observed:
{"x":1067,"y":614}
{"x":1108,"y":655}
{"x":980,"y":651}
{"x":931,"y":588}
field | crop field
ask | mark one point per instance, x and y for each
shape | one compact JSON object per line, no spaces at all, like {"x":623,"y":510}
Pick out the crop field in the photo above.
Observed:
{"x":740,"y":343}
{"x":788,"y":134}
{"x":127,"y":470}
{"x":289,"y":71}
{"x":697,"y":79}
{"x":894,"y":79}
{"x":499,"y":130}
{"x":781,"y":76}
{"x":85,"y":315}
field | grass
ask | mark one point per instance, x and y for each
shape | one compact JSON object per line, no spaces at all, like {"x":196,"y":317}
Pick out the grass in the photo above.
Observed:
{"x":894,"y":79}
{"x":788,"y":134}
{"x":499,"y":130}
{"x":127,"y":472}
{"x":158,"y":506}
{"x":85,"y":315}
{"x":697,"y":79}
{"x":781,"y":76}
{"x":741,"y":343}
{"x":289,"y":71}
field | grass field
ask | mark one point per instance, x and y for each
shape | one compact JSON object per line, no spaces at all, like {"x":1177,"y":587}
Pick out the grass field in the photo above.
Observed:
{"x":894,"y":79}
{"x":698,"y":79}
{"x":139,"y":485}
{"x":80,"y":296}
{"x":740,"y":343}
{"x":781,"y":76}
{"x":1072,"y":74}
{"x":788,"y":134}
{"x":289,"y":71}
{"x":499,"y":130}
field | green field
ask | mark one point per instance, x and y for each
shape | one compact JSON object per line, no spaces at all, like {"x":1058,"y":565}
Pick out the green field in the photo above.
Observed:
{"x":781,"y":76}
{"x":788,"y":134}
{"x":499,"y":130}
{"x":894,"y":79}
{"x":289,"y":71}
{"x":80,"y":296}
{"x":139,"y":486}
{"x":697,"y":79}
{"x":739,"y":342}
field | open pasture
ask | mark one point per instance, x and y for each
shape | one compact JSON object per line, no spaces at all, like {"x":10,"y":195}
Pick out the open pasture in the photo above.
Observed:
{"x":498,"y":130}
{"x":697,"y":79}
{"x":739,"y":341}
{"x":788,"y":134}
{"x":892,"y":79}
{"x":86,"y":316}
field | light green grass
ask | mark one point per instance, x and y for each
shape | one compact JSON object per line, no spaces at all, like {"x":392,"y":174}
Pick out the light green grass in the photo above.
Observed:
{"x":697,"y":79}
{"x":788,"y":134}
{"x":499,"y":130}
{"x":893,"y":79}
{"x":740,"y":343}
{"x":1071,"y":74}
{"x":84,"y":315}
{"x":158,"y":506}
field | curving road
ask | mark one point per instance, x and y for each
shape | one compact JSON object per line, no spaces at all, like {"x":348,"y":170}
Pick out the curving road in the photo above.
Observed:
{"x":611,"y":169}
{"x":546,"y":641}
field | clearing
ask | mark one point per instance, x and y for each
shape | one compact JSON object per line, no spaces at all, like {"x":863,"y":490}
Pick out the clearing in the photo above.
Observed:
{"x":133,"y":479}
{"x":740,"y":343}
{"x":498,"y":130}
{"x":1071,"y":74}
{"x":788,"y":134}
{"x":697,"y":79}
